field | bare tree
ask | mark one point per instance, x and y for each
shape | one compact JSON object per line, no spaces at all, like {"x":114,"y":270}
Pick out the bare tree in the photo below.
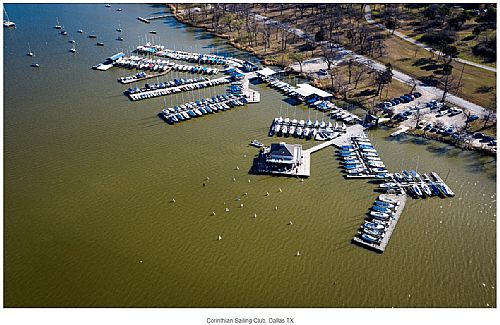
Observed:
{"x":329,"y":54}
{"x":359,"y":71}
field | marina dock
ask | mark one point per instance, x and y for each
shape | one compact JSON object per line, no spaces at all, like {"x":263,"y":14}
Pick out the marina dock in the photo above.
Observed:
{"x":144,"y":20}
{"x":381,"y":246}
{"x":178,"y":89}
{"x":134,"y":78}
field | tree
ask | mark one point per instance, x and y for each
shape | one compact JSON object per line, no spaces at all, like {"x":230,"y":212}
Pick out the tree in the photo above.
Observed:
{"x":391,"y":24}
{"x":476,"y":31}
{"x":350,"y":63}
{"x":298,"y":57}
{"x":491,"y":110}
{"x":320,"y":35}
{"x":359,"y":71}
{"x":418,"y":115}
{"x":446,"y":80}
{"x":384,"y":77}
{"x":329,"y":54}
{"x":414,"y":85}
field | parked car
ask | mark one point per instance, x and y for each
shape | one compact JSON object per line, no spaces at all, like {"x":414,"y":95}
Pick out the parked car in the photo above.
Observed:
{"x":323,"y":72}
{"x":442,"y":113}
{"x":478,"y":135}
{"x":472,"y":118}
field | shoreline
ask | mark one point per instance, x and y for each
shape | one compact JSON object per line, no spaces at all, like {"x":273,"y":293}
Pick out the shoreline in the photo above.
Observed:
{"x":314,"y":82}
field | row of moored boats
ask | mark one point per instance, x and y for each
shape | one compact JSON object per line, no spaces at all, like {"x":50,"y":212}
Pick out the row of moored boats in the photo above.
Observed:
{"x":167,"y":84}
{"x":202,"y":107}
{"x":378,"y":220}
{"x":176,"y":89}
{"x":317,"y":130}
{"x":417,"y":185}
{"x":360,"y":159}
{"x":161,"y":65}
{"x":160,"y":50}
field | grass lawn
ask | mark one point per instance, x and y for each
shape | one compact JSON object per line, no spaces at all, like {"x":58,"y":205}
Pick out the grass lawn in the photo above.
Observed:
{"x":478,"y":84}
{"x":364,"y":94}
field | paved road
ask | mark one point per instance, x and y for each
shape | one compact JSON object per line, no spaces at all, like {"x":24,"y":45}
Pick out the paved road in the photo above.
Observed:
{"x":319,"y":63}
{"x":368,"y":17}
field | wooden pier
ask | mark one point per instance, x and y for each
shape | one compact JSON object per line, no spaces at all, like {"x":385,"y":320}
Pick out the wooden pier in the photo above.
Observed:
{"x":380,"y":248}
{"x":157,"y":17}
{"x":144,"y":20}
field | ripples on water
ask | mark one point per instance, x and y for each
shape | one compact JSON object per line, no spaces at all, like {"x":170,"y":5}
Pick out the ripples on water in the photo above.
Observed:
{"x":89,"y":177}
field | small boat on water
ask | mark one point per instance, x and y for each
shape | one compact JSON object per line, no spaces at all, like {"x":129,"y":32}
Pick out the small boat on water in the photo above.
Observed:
{"x":92,"y":36}
{"x":119,"y":9}
{"x":379,"y":215}
{"x":6,"y":22}
{"x":436,"y":177}
{"x":446,"y":189}
{"x":108,"y":5}
{"x":425,"y":188}
{"x":377,"y":208}
{"x":73,"y":49}
{"x":80,"y":31}
{"x":388,"y":185}
{"x":417,"y":190}
{"x":58,"y":25}
{"x":434,"y":188}
{"x":256,"y":143}
{"x":373,"y":225}
{"x":373,"y":232}
{"x":152,"y":32}
{"x":119,"y":38}
{"x":64,"y":33}
{"x":370,"y":239}
{"x":387,"y":199}
{"x":29,"y":51}
{"x":100,"y":44}
{"x":384,"y":204}
{"x":415,"y":174}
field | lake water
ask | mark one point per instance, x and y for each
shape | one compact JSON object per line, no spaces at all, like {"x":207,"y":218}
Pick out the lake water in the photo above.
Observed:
{"x":89,"y":176}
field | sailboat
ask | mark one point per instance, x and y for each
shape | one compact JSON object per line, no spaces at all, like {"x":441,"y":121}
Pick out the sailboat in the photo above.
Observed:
{"x":35,"y":65}
{"x":29,"y":51}
{"x":119,"y":29}
{"x":58,"y":25}
{"x":7,"y":23}
{"x":73,"y":49}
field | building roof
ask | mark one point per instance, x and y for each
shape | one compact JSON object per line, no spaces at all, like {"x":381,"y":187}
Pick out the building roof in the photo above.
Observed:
{"x":282,"y":149}
{"x":266,"y":72}
{"x":116,"y":56}
{"x":308,"y":90}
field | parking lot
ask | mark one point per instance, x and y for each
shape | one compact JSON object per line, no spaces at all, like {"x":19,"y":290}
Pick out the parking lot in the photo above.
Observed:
{"x":434,"y":117}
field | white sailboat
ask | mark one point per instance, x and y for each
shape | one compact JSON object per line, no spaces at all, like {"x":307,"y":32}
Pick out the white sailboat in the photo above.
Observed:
{"x":58,"y":25}
{"x":6,"y":22}
{"x":29,"y":51}
{"x":73,"y":49}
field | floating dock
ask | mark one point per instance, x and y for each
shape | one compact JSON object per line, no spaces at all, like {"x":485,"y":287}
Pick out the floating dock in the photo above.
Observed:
{"x":144,"y":20}
{"x":174,"y":90}
{"x":380,"y":247}
{"x":132,"y":79}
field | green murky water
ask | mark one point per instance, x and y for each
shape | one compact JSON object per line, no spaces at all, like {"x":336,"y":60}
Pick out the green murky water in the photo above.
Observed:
{"x":89,"y":176}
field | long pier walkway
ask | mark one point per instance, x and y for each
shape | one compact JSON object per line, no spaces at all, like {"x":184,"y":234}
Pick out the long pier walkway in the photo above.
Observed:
{"x":380,"y":248}
{"x":344,"y":139}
